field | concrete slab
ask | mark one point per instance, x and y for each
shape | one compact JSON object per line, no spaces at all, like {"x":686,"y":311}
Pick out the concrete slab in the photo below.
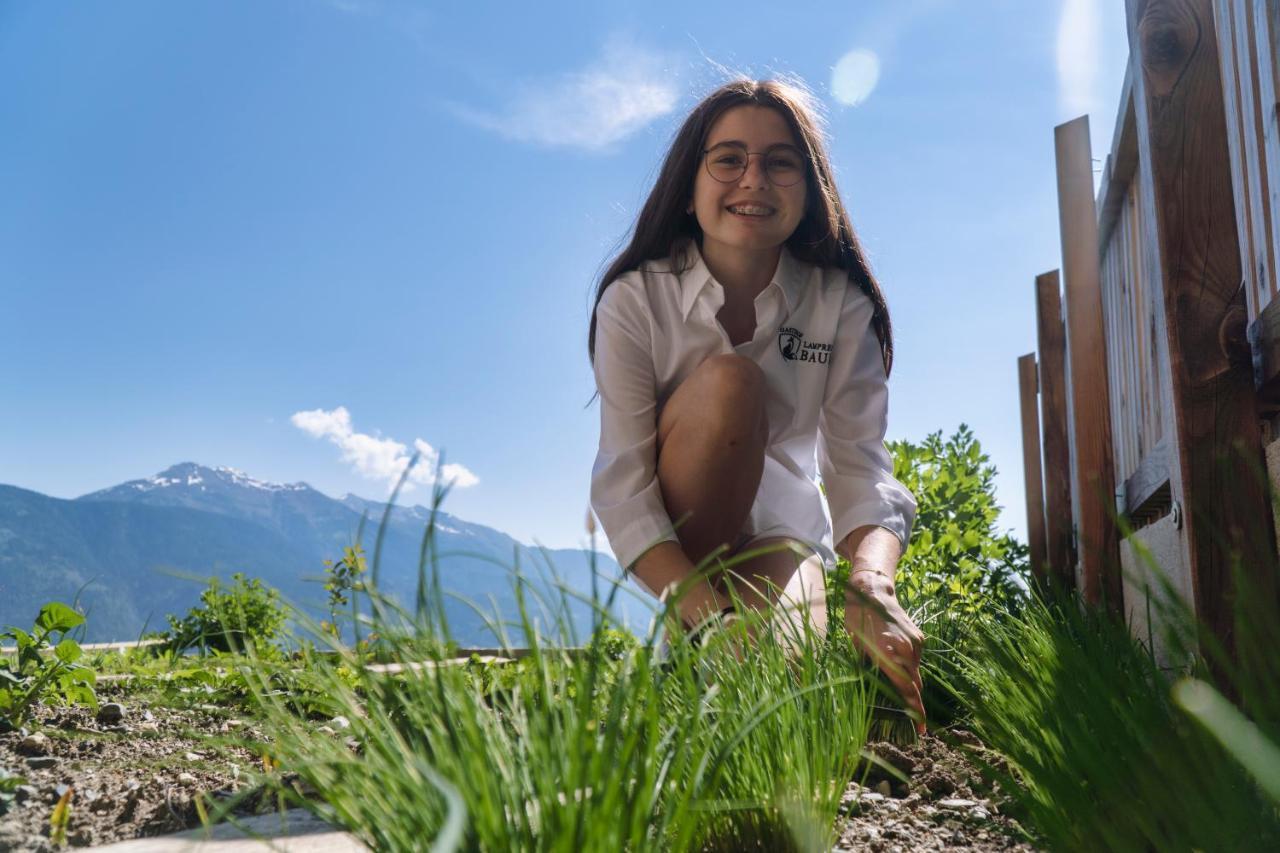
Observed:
{"x":295,"y":830}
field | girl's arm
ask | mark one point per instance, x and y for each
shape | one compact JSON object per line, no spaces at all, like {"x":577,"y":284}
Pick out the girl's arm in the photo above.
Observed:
{"x":668,"y":565}
{"x":625,"y":493}
{"x":871,"y":512}
{"x":875,"y":619}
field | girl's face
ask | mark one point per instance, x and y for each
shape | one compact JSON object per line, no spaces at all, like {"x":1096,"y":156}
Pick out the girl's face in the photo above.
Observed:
{"x":752,"y":213}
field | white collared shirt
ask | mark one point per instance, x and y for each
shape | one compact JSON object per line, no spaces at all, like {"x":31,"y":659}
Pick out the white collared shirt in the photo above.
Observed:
{"x":827,"y":402}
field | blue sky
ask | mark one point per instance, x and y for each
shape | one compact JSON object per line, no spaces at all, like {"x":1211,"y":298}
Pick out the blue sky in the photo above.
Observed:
{"x":300,"y":238}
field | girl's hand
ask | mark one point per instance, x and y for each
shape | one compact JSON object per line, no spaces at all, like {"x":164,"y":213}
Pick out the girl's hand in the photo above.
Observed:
{"x":883,"y":630}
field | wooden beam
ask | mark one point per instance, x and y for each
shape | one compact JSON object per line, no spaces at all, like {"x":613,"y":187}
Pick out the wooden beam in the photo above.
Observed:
{"x":1146,"y":492}
{"x":1052,"y":345}
{"x":1264,"y":342}
{"x":1096,"y":531}
{"x":1121,"y":163}
{"x":1183,"y":149}
{"x":1029,"y":393}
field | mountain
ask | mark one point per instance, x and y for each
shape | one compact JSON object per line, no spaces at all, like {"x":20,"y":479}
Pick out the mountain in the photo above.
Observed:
{"x":142,"y":549}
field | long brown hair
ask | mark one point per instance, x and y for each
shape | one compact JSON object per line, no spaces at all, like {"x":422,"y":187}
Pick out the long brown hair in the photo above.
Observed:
{"x":824,"y":237}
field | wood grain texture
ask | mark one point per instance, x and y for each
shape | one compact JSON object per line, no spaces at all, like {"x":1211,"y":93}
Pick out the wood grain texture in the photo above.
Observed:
{"x":1052,"y":346}
{"x":1028,"y":395}
{"x":1147,"y":483}
{"x":1183,"y":142}
{"x":1097,"y":534}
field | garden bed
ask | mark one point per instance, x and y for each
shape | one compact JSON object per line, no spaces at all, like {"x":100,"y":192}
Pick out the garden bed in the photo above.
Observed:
{"x":139,"y":776}
{"x":134,"y":777}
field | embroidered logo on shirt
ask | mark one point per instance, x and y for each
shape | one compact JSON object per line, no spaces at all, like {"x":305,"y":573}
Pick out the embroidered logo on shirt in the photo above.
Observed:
{"x":792,"y":345}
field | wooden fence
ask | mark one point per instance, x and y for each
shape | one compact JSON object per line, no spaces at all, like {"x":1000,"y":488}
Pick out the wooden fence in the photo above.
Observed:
{"x":1152,"y":423}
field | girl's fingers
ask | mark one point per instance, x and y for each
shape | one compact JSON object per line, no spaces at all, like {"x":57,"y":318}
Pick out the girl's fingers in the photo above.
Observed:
{"x":905,"y":678}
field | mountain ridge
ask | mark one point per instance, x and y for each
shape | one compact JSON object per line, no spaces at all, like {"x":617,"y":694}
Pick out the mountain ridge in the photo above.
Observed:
{"x":195,"y":520}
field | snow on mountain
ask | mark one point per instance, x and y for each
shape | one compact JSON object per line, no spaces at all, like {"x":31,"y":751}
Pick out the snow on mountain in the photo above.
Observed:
{"x":192,"y":474}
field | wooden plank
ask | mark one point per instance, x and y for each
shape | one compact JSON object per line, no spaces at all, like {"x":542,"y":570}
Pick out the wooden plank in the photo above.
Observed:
{"x":1121,"y":163}
{"x":1248,"y":170}
{"x":1183,"y":148}
{"x":1265,"y":262}
{"x":1266,"y":35}
{"x":1028,"y":391}
{"x":1097,"y":535}
{"x":99,"y":647}
{"x":1264,"y":345}
{"x":1052,"y":346}
{"x":1148,"y":484}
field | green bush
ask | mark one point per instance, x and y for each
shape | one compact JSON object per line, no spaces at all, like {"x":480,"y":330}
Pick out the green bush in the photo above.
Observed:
{"x":229,"y":619}
{"x":955,"y":552}
{"x":43,"y":669}
{"x":956,"y":569}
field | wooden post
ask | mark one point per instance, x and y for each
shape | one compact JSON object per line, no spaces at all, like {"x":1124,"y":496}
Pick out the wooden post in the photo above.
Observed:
{"x":1183,"y":152}
{"x":1027,"y":388}
{"x":1052,"y":346}
{"x":1098,"y":540}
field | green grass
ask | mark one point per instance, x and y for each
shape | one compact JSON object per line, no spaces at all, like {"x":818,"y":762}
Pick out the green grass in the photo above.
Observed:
{"x":1111,"y":752}
{"x":607,"y":749}
{"x":618,"y":746}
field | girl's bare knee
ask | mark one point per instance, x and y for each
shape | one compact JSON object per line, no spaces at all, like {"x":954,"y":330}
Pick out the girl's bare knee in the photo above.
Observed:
{"x":733,"y":373}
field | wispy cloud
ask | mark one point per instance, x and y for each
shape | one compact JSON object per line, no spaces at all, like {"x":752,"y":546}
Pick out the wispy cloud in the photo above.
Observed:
{"x":380,"y":459}
{"x":1078,"y":39}
{"x":625,"y":89}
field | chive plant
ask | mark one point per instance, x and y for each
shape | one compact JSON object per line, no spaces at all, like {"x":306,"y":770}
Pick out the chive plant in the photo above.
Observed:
{"x":746,"y":740}
{"x":1110,"y":750}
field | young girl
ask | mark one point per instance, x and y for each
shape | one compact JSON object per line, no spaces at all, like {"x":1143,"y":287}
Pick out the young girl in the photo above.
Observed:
{"x":738,"y":333}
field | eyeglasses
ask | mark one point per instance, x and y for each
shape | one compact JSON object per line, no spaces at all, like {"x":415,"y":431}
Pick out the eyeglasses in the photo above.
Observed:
{"x":727,"y":163}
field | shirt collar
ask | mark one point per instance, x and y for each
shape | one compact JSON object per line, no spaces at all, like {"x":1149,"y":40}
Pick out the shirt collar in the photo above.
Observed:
{"x":789,"y":277}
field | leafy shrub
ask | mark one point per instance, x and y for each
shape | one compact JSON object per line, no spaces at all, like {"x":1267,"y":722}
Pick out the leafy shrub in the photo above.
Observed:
{"x":613,"y":644}
{"x":955,"y":552}
{"x":956,"y":569}
{"x":228,"y":619}
{"x":44,"y":670}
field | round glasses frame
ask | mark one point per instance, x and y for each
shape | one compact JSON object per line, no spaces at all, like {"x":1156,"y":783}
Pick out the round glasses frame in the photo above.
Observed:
{"x":799,"y":172}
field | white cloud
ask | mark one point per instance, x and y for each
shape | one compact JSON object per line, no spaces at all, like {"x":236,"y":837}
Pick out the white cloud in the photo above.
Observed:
{"x":604,"y":103}
{"x":380,"y":459}
{"x":1078,"y":38}
{"x":855,"y":76}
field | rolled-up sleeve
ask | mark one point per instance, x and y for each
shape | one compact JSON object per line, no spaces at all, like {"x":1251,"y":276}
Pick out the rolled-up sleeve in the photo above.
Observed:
{"x":625,"y":493}
{"x":856,"y":468}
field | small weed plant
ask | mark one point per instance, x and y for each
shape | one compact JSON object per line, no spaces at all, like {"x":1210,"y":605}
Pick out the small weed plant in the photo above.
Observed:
{"x":343,"y":579}
{"x":46,"y":666}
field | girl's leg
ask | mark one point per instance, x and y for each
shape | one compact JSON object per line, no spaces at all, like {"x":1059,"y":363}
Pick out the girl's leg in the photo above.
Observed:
{"x":791,"y":582}
{"x":712,"y":434}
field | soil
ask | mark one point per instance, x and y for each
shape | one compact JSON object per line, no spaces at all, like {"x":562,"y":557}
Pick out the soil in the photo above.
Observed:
{"x":133,"y":778}
{"x":944,"y":802}
{"x":140,"y":777}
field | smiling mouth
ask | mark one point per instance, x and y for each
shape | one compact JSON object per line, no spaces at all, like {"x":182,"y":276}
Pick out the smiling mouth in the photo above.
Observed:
{"x":755,"y":210}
